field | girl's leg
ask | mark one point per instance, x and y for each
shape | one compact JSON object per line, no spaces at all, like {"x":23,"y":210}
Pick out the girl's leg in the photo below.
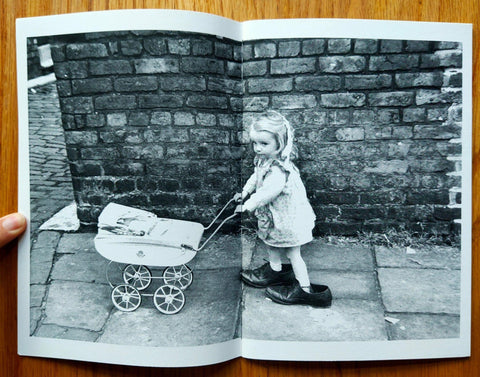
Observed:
{"x":299,"y":267}
{"x":275,"y":258}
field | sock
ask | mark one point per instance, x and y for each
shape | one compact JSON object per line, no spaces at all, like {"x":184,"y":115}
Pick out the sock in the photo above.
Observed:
{"x":276,"y":266}
{"x":307,"y":289}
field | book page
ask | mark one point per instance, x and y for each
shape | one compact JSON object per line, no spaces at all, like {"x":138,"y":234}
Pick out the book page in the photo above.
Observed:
{"x":381,"y":112}
{"x":128,"y":150}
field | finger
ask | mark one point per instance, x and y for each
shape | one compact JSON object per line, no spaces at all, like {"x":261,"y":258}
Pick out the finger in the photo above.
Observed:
{"x":11,"y":226}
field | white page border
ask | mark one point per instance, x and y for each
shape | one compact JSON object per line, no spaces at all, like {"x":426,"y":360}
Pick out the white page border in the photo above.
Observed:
{"x":264,"y":29}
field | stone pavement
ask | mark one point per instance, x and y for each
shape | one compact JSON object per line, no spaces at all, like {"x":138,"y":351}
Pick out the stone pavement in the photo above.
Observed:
{"x":372,"y":288}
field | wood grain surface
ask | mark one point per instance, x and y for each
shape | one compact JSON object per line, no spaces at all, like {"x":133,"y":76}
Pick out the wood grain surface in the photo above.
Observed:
{"x":410,"y":10}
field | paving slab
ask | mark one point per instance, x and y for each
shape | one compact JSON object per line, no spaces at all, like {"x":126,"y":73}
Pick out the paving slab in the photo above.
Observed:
{"x":222,"y":251}
{"x":41,"y":256}
{"x":81,"y":266}
{"x":76,"y":242}
{"x":210,"y":315}
{"x":37,"y":294}
{"x":59,"y":332}
{"x":420,"y":290}
{"x":35,"y":316}
{"x":348,"y":284}
{"x":427,"y":257}
{"x":345,"y":320}
{"x":77,"y":304}
{"x":423,"y":326}
{"x":321,"y":255}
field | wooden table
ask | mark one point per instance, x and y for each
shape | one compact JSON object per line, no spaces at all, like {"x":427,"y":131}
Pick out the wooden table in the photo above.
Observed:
{"x":410,"y":10}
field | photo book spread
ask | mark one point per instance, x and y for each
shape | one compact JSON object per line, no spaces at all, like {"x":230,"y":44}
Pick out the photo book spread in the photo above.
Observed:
{"x":199,"y":189}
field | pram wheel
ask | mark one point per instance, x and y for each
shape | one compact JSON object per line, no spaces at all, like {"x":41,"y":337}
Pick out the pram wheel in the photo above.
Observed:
{"x":126,"y":298}
{"x":139,"y":277}
{"x":169,"y":299}
{"x":180,"y":276}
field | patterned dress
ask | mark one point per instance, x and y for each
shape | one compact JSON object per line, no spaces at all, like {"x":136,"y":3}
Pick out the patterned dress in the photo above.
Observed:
{"x":285,"y":217}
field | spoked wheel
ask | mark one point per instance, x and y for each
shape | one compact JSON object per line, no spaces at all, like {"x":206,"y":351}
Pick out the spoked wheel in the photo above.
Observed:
{"x":180,"y":276}
{"x":169,"y":299}
{"x":126,"y":298}
{"x":139,"y":277}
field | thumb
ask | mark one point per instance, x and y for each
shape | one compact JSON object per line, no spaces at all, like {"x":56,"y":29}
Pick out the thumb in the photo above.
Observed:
{"x":11,"y":226}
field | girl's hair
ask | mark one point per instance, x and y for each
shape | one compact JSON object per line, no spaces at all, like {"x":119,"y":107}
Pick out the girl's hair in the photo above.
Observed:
{"x":275,"y":123}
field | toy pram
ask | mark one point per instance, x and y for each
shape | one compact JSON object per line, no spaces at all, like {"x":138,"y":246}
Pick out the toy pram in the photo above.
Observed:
{"x":139,"y":239}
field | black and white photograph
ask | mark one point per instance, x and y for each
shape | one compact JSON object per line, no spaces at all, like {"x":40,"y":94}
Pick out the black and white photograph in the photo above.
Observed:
{"x":232,"y":189}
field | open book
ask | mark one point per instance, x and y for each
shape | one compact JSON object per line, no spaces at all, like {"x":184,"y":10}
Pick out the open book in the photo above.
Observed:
{"x":141,"y":119}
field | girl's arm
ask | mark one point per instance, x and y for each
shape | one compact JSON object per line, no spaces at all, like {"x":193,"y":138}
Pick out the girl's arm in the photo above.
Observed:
{"x":250,"y":185}
{"x":272,"y":187}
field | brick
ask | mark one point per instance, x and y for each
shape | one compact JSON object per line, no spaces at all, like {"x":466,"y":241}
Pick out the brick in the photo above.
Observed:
{"x":417,"y":46}
{"x":136,"y":83}
{"x":234,"y":69}
{"x":368,"y":81}
{"x":387,"y":167}
{"x":288,"y":48}
{"x":113,"y":47}
{"x":71,"y":70}
{"x":431,"y":165}
{"x":390,"y":99}
{"x":131,"y":47}
{"x":350,"y":134}
{"x":321,"y":197}
{"x":257,"y":68}
{"x":64,"y":88}
{"x":385,"y":196}
{"x":179,"y":46}
{"x":363,"y":117}
{"x":455,"y":113}
{"x":208,"y":102}
{"x":237,"y":52}
{"x":183,"y":119}
{"x":402,"y":132}
{"x":223,"y":50}
{"x":86,"y":50}
{"x":138,"y":118}
{"x":170,"y":134}
{"x":150,"y":101}
{"x":99,"y":153}
{"x":207,"y":135}
{"x":292,"y":65}
{"x":262,"y":85}
{"x":338,"y":64}
{"x":343,"y":99}
{"x":408,"y":80}
{"x":393,"y":62}
{"x":444,"y":45}
{"x":85,"y":169}
{"x":156,"y":65}
{"x":365,"y":46}
{"x":339,"y":45}
{"x":414,"y":115}
{"x":161,"y":118}
{"x":228,"y":121}
{"x":85,"y":138}
{"x":91,"y":86}
{"x":433,"y":96}
{"x":124,"y":169}
{"x":117,"y":119}
{"x":202,"y":48}
{"x":444,"y":58}
{"x":317,"y":83}
{"x":447,"y":214}
{"x":339,"y":117}
{"x":111,"y":67}
{"x":206,"y":119}
{"x":374,"y":132}
{"x":58,"y":52}
{"x":313,"y":46}
{"x":315,"y":118}
{"x":95,"y":120}
{"x":202,"y":65}
{"x":183,"y":83}
{"x":452,"y":78}
{"x":155,"y":46}
{"x":390,"y":45}
{"x":265,"y":50}
{"x":437,"y":114}
{"x":76,"y":105}
{"x":438,"y":132}
{"x":427,"y":197}
{"x":225,"y":85}
{"x":143,"y":151}
{"x":115,"y":102}
{"x":294,"y":101}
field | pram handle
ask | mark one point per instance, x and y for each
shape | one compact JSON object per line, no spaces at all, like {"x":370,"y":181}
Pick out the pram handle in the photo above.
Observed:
{"x":218,"y":227}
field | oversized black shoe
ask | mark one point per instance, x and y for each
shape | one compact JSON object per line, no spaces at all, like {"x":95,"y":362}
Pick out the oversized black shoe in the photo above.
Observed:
{"x":264,"y":276}
{"x":293,"y":294}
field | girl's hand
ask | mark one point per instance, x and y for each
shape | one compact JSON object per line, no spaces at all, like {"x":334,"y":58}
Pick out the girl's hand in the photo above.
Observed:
{"x":239,"y":209}
{"x":237,"y":197}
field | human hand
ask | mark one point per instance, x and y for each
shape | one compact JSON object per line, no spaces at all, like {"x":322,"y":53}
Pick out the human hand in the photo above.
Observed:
{"x":11,"y":226}
{"x":239,"y":209}
{"x":237,"y":197}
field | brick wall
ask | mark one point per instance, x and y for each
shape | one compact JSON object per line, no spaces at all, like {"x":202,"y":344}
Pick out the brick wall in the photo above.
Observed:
{"x":154,"y":120}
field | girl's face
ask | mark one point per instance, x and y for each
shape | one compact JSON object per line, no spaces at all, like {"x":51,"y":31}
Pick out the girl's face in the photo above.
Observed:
{"x":264,"y":143}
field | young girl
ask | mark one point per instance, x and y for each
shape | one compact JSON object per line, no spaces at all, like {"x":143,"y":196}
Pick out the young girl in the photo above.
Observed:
{"x":285,"y":217}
